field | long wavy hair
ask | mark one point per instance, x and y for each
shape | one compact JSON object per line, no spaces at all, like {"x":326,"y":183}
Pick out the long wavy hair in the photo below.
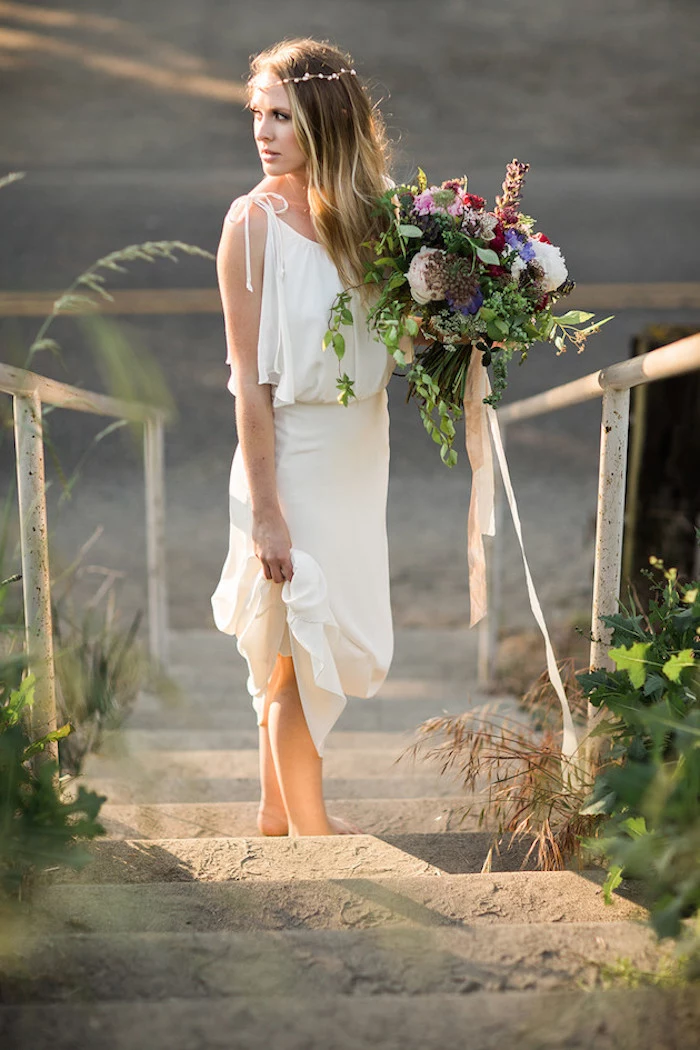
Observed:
{"x":343,"y":137}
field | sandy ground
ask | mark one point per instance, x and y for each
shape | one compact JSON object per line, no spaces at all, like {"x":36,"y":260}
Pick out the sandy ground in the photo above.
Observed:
{"x":123,"y":119}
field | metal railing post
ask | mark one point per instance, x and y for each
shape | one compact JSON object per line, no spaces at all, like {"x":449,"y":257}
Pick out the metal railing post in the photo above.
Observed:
{"x":40,"y":718}
{"x":610,"y":519}
{"x":154,"y":476}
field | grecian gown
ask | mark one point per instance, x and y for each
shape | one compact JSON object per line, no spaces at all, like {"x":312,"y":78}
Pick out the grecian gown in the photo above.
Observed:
{"x":332,"y":465}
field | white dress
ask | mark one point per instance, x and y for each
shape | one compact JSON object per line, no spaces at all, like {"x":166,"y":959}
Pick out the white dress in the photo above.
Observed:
{"x":334,"y":617}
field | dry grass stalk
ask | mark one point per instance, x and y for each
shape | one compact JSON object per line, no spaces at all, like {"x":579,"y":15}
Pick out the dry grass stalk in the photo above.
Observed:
{"x":519,"y":770}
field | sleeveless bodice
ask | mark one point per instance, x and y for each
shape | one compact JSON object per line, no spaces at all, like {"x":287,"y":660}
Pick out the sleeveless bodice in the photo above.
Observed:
{"x":300,"y":283}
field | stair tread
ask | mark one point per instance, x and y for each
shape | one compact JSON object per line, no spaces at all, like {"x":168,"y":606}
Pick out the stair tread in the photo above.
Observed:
{"x":336,"y":856}
{"x":152,"y":966}
{"x":377,"y":816}
{"x":648,"y":1019}
{"x":346,"y":903}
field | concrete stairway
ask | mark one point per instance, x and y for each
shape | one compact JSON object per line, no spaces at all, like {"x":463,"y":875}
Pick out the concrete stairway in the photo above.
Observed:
{"x":189,"y":931}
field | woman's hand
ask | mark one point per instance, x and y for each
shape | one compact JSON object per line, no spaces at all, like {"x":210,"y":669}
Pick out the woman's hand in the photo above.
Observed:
{"x":272,"y":544}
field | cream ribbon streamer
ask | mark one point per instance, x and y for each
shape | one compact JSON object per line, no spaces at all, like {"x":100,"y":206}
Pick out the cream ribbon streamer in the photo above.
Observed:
{"x":481,"y":521}
{"x":480,"y":420}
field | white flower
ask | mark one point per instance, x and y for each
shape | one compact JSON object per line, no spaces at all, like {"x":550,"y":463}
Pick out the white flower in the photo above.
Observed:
{"x":487,"y":225}
{"x":552,"y":262}
{"x":517,"y":267}
{"x":422,"y":274}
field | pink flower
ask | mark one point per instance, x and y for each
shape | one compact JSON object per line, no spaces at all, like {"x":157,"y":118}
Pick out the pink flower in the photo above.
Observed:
{"x":424,"y":204}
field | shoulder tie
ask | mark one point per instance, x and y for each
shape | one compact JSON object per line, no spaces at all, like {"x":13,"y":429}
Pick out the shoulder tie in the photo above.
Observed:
{"x":264,"y":201}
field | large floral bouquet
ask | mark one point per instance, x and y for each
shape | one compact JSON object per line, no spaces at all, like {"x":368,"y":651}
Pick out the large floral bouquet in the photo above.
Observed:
{"x":460,"y":279}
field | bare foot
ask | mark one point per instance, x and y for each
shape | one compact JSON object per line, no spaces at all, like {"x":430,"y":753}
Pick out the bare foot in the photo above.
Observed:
{"x":272,"y":821}
{"x":341,"y":826}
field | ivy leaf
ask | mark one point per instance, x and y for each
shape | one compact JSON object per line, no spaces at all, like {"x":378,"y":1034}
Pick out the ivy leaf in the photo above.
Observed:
{"x":632,"y":660}
{"x":409,"y":230}
{"x":677,"y":663}
{"x":339,"y":345}
{"x":489,"y":257}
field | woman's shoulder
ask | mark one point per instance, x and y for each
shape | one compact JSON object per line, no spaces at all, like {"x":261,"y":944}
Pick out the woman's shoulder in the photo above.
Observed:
{"x":267,"y":191}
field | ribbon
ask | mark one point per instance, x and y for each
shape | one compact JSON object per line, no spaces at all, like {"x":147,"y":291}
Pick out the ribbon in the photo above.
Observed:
{"x":481,"y":521}
{"x":480,"y":421}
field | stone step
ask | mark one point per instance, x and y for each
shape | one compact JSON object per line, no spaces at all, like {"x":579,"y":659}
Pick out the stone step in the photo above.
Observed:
{"x":231,"y":789}
{"x":203,"y":712}
{"x":327,"y":857}
{"x":126,"y":741}
{"x":645,"y":1018}
{"x":311,"y":963}
{"x":355,"y":902}
{"x":338,"y":764}
{"x":375,"y":816}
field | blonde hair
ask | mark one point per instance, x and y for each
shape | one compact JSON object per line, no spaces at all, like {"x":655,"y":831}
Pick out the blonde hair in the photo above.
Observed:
{"x":342,"y":135}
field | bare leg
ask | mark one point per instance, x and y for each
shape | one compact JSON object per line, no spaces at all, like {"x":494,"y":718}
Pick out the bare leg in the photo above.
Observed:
{"x":272,"y":816}
{"x":299,"y":768}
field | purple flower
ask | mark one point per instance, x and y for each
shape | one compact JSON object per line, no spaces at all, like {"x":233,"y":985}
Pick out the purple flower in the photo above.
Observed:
{"x":470,"y":307}
{"x":520,"y":243}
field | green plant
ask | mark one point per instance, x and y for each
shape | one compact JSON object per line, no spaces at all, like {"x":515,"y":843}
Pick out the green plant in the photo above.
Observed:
{"x":39,"y":830}
{"x":648,"y":788}
{"x":100,"y":669}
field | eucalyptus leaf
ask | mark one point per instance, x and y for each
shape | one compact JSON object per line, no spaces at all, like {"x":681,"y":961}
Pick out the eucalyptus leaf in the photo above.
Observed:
{"x":573,"y":317}
{"x":409,"y":230}
{"x":488,"y":256}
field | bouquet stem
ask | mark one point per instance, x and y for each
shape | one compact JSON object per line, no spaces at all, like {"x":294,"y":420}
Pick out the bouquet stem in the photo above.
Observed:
{"x":447,"y":366}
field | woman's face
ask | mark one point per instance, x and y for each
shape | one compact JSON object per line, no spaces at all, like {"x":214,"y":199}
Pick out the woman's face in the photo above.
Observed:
{"x":273,"y":129}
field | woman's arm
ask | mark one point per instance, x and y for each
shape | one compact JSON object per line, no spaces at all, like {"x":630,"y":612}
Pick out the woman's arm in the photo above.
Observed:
{"x":254,"y":419}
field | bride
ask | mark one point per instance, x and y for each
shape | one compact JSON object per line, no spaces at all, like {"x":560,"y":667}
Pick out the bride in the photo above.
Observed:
{"x":305,"y":584}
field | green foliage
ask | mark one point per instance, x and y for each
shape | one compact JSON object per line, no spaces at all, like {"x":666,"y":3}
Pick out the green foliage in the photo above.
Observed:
{"x":100,"y":668}
{"x":649,"y":784}
{"x":38,"y":828}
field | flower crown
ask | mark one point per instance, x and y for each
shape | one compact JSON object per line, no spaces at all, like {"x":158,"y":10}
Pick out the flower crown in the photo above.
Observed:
{"x":317,"y":76}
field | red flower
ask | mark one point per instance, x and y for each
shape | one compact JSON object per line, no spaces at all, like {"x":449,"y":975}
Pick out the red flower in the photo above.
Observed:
{"x":541,"y":237}
{"x":544,"y":301}
{"x":498,"y":241}
{"x":495,"y":271}
{"x":472,"y":200}
{"x":508,"y":215}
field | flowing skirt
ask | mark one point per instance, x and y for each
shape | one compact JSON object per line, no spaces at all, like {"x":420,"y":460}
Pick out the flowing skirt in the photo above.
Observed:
{"x":334,"y":617}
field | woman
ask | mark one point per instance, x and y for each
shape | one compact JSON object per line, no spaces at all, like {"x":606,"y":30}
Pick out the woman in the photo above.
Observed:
{"x":305,"y":585}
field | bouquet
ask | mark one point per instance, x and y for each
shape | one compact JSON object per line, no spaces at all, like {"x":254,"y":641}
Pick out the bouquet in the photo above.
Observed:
{"x":453,"y":279}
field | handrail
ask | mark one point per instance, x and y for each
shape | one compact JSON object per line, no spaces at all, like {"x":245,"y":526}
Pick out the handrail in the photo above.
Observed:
{"x":21,"y":382}
{"x":29,"y":391}
{"x":612,"y":384}
{"x":673,"y":359}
